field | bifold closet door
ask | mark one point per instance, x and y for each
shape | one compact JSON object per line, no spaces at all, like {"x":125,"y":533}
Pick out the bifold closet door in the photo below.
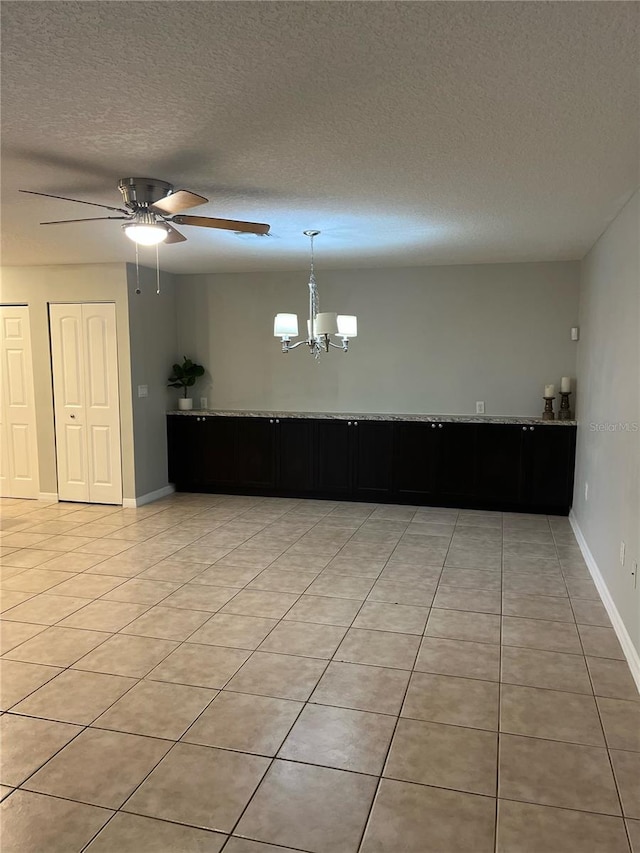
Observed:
{"x":86,"y":402}
{"x":18,"y":443}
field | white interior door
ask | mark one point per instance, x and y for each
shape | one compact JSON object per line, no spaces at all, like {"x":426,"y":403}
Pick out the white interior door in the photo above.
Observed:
{"x":18,"y":443}
{"x":86,"y":402}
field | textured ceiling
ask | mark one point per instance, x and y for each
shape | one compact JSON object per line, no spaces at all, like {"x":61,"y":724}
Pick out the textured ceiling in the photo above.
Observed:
{"x":409,"y":133}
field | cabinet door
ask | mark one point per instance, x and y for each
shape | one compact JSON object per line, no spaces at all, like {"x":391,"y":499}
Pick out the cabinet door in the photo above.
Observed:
{"x":372,"y":443}
{"x":184,"y":450}
{"x":295,"y":455}
{"x":415,"y":460}
{"x":499,"y":463}
{"x":333,"y":456}
{"x":256,"y":452}
{"x":456,"y":461}
{"x":549,"y":459}
{"x":217,"y":446}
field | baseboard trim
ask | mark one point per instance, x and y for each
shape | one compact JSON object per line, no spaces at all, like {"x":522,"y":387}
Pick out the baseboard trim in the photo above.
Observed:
{"x":630,"y":651}
{"x":47,"y":496}
{"x":132,"y":503}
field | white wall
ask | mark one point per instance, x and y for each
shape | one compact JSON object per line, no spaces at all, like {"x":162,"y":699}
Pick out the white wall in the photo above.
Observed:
{"x":153,"y":344}
{"x":431,"y":339}
{"x":37,"y":287}
{"x":608,"y":455}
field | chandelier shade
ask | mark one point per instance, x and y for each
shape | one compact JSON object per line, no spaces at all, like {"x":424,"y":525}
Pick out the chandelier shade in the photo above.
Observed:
{"x":285,"y":326}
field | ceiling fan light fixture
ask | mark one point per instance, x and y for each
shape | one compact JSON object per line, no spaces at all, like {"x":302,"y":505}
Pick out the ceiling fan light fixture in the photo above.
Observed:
{"x":146,"y":235}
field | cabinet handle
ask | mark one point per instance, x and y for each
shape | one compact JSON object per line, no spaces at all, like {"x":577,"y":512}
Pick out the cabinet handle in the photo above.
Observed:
{"x":524,"y":429}
{"x":439,"y":426}
{"x":348,"y":423}
{"x":433,"y":426}
{"x":270,"y":420}
{"x":531,"y":429}
{"x":355,"y":423}
{"x":277,"y":420}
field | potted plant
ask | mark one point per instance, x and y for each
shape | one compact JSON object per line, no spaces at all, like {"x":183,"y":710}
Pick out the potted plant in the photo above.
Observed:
{"x":184,"y":376}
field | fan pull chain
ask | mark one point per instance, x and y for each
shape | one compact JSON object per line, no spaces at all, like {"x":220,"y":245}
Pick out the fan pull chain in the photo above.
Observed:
{"x":157,"y":271}
{"x":137,"y":272}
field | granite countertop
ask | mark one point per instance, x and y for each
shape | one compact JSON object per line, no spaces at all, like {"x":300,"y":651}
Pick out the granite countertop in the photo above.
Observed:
{"x":372,"y":416}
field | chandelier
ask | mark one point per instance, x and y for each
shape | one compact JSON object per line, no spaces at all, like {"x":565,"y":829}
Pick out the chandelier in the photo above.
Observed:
{"x":320,"y":326}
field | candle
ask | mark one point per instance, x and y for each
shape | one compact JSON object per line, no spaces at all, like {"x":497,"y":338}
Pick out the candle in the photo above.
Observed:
{"x":565,"y":384}
{"x":549,"y":390}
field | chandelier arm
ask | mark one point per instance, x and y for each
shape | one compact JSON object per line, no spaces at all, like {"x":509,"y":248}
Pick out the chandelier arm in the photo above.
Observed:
{"x":299,"y":344}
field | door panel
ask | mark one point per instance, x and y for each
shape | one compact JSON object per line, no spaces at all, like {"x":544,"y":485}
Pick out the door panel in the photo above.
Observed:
{"x":415,"y":461}
{"x":256,"y":451}
{"x":75,"y":457}
{"x":19,"y":461}
{"x":333,"y":456}
{"x":68,"y":391}
{"x":102,"y":407}
{"x":296,"y":469}
{"x":499,"y":463}
{"x":456,"y":461}
{"x":549,"y":462}
{"x":218,"y":452}
{"x":373,"y":454}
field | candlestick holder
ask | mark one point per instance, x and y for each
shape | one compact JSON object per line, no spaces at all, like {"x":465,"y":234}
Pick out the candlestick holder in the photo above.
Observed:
{"x":548,"y":414}
{"x":565,"y":413}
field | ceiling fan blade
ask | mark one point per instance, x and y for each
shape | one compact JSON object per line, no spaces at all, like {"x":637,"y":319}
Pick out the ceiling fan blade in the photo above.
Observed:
{"x":174,"y":236}
{"x":224,"y":224}
{"x":177,"y":201}
{"x":90,"y":219}
{"x":78,"y":200}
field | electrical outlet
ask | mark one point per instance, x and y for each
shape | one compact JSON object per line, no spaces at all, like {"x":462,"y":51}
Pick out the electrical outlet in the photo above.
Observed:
{"x":586,"y":491}
{"x":480,"y":407}
{"x":623,"y":550}
{"x":203,"y":402}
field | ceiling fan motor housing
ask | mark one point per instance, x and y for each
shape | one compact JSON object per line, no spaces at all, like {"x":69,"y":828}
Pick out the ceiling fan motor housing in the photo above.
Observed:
{"x":143,"y":192}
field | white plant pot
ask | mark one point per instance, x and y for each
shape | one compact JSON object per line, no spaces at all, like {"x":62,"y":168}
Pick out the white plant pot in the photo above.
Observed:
{"x":185,"y":403}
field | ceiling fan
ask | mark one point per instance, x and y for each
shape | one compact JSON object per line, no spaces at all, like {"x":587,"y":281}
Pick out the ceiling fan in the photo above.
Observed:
{"x":150,"y":209}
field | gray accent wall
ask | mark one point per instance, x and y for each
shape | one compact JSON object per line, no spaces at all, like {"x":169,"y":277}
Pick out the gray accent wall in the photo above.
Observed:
{"x":153,"y":345}
{"x":608,"y":449}
{"x":431,"y":339}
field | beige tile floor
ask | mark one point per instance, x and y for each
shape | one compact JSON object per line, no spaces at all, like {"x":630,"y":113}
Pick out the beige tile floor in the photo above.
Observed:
{"x":214,"y":673}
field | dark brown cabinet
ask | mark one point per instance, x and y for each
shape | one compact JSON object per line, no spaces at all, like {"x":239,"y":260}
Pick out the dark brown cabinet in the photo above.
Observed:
{"x":415,"y":462}
{"x":256,"y":452}
{"x":295,"y":455}
{"x":486,"y":466}
{"x":372,"y":455}
{"x":333,"y":457}
{"x":499,"y":463}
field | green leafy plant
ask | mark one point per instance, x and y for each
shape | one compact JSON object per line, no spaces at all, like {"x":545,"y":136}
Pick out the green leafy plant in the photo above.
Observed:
{"x":184,"y":375}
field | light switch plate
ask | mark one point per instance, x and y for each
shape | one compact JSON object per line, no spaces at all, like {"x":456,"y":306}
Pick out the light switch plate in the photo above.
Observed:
{"x":480,"y":407}
{"x":203,"y":403}
{"x":143,"y":390}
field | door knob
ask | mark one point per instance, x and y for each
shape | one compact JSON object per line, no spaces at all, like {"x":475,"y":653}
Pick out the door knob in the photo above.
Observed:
{"x":72,"y":416}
